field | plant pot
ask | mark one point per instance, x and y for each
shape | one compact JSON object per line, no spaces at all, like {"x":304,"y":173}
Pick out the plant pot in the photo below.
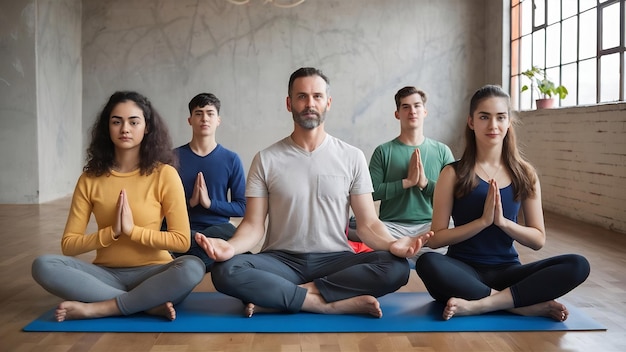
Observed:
{"x":545,"y":103}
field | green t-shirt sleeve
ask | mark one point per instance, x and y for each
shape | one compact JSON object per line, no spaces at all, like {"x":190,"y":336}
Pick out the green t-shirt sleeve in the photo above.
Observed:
{"x":378,"y":165}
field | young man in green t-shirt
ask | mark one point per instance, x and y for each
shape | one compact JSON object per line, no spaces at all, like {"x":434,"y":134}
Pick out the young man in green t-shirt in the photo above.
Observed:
{"x":405,"y":170}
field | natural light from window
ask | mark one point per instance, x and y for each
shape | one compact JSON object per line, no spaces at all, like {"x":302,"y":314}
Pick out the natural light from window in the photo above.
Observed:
{"x":578,"y":44}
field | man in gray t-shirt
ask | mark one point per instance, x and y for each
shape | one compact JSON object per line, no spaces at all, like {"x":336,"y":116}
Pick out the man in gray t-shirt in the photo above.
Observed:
{"x":305,"y":185}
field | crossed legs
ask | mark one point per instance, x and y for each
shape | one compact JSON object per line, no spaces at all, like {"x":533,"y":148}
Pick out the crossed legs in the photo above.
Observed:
{"x":92,"y":291}
{"x":529,"y":289}
{"x":331,"y":283}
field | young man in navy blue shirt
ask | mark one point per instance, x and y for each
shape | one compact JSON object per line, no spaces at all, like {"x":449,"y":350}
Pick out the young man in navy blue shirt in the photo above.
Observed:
{"x":209,"y":172}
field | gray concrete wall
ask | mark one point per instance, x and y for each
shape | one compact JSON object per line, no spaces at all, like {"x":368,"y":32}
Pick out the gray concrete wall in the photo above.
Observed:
{"x":40,"y":99}
{"x":59,"y":97}
{"x":18,"y":103}
{"x":170,"y":50}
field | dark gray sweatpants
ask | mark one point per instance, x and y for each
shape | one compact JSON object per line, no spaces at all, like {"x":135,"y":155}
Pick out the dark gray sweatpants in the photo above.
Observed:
{"x":270,"y":279}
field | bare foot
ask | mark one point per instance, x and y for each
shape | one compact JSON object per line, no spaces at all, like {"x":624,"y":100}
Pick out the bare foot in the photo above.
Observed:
{"x":355,"y":305}
{"x":251,"y":309}
{"x":70,"y":310}
{"x":166,"y":309}
{"x":314,"y":303}
{"x":549,"y":309}
{"x":460,"y":307}
{"x":359,"y":305}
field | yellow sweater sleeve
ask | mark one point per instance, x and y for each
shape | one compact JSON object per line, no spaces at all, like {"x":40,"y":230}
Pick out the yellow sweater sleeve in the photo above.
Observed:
{"x":151,"y":197}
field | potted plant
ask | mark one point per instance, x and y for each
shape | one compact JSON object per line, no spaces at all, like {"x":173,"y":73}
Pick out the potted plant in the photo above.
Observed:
{"x":544,"y":86}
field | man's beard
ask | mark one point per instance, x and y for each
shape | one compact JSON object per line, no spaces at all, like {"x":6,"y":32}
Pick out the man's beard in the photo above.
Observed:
{"x":309,"y":123}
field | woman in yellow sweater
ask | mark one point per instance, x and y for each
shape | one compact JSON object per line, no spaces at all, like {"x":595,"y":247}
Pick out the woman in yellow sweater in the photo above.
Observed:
{"x":128,"y":184}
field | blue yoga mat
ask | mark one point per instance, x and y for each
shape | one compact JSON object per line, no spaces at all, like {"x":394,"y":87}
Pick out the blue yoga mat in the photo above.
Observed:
{"x":402,"y":312}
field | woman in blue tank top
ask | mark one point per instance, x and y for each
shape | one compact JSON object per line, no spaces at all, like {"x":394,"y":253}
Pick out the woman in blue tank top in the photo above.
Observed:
{"x":483,"y":192}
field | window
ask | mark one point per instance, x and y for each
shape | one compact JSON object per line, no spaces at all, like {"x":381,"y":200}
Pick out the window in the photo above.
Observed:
{"x":579,"y":43}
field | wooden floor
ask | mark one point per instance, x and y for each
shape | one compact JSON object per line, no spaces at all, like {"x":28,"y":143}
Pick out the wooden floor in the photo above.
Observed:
{"x":31,"y":230}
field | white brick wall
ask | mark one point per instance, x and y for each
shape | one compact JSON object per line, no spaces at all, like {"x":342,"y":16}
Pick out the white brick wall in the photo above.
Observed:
{"x":580,"y":154}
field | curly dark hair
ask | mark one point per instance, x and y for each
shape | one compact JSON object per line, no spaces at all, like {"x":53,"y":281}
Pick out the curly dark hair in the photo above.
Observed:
{"x":156,"y":146}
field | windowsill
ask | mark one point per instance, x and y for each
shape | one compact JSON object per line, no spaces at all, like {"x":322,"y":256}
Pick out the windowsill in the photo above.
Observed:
{"x":612,"y":106}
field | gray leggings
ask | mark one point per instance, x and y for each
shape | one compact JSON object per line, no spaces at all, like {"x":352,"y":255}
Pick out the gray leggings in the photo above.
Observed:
{"x":135,"y":289}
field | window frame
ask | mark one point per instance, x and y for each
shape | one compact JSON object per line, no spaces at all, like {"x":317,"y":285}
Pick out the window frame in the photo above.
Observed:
{"x":539,"y":28}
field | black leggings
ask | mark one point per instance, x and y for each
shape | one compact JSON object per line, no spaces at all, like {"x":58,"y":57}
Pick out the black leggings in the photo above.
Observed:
{"x":532,"y":283}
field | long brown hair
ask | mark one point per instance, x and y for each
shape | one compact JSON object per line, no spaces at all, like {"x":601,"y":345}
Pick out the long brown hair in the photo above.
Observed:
{"x":523,"y":175}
